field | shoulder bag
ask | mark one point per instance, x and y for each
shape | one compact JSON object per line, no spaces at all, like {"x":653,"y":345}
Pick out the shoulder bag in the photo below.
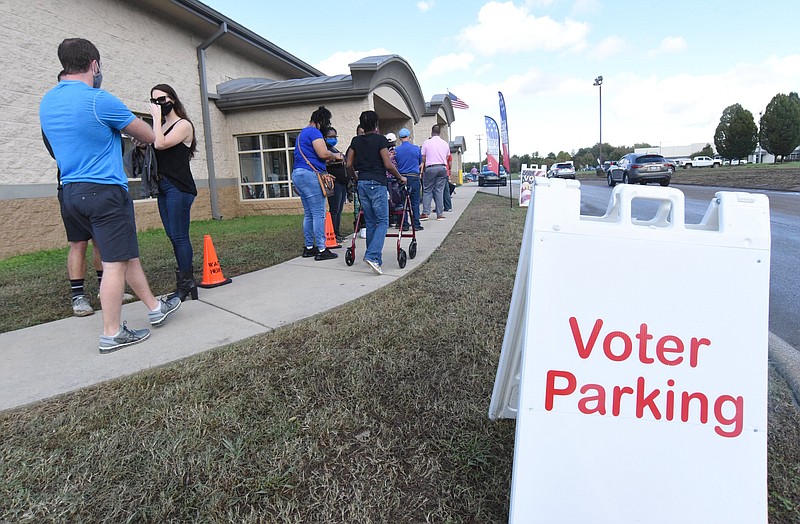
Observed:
{"x":326,"y":181}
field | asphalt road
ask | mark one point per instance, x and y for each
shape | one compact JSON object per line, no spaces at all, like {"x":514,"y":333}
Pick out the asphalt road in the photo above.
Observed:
{"x":784,"y":314}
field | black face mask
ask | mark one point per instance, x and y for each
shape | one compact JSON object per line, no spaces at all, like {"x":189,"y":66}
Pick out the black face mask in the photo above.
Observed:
{"x":166,"y":108}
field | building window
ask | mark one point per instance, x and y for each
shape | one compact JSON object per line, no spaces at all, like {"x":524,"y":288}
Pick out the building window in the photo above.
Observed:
{"x":265,"y":165}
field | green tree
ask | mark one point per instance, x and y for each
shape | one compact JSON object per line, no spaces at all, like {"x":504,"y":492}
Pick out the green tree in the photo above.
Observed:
{"x":706,"y":151}
{"x":563,"y":156}
{"x":736,"y":135}
{"x":780,"y":125}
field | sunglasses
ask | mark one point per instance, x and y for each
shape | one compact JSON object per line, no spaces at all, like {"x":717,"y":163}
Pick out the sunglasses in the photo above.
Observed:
{"x":160,"y":100}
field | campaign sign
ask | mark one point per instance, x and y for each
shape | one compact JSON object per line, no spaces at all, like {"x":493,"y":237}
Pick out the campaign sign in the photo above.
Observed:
{"x":635,"y":360}
{"x":527,"y":175}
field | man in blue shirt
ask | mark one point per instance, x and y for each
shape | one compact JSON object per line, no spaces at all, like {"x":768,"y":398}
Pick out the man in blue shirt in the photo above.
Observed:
{"x":409,"y":164}
{"x":83,"y":123}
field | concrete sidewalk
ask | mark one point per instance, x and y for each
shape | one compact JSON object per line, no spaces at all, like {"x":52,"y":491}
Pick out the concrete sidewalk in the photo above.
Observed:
{"x":49,"y":359}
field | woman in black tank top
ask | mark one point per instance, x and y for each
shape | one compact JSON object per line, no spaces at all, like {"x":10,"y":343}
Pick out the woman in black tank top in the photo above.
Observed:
{"x":175,"y":144}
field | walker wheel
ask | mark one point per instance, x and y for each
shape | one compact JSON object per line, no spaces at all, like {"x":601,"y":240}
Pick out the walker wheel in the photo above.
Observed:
{"x":401,"y":258}
{"x":349,"y":256}
{"x":412,"y":249}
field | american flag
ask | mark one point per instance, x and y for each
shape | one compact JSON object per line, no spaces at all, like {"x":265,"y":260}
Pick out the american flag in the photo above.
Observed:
{"x":457,"y":103}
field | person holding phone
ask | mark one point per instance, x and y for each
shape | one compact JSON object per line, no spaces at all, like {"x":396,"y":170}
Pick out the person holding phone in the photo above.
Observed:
{"x":175,"y":144}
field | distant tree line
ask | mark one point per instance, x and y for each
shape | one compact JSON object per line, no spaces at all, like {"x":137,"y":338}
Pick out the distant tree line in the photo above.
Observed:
{"x":736,"y":137}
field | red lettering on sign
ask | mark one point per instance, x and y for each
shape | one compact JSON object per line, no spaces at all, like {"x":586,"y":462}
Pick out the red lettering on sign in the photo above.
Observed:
{"x":647,"y":401}
{"x":644,"y":402}
{"x":736,"y":420}
{"x":599,"y":399}
{"x":701,"y":398}
{"x":584,"y":350}
{"x":694,"y":348}
{"x":616,"y":407}
{"x":551,"y":391}
{"x":663,"y":348}
{"x":643,"y":337}
{"x":669,"y":348}
{"x":627,"y":346}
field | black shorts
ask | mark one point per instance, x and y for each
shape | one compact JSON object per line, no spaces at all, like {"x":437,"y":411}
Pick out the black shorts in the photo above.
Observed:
{"x":104,"y":213}
{"x":75,"y":233}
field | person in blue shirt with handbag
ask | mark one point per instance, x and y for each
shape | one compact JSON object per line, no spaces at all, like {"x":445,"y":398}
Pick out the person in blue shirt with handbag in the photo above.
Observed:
{"x":310,"y":157}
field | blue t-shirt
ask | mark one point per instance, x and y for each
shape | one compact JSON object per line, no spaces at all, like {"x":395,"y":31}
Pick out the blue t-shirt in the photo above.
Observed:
{"x":304,"y":143}
{"x":83,"y":127}
{"x":408,"y":157}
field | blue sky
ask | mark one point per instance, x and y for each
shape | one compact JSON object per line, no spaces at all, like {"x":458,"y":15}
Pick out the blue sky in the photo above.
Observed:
{"x":669,"y":67}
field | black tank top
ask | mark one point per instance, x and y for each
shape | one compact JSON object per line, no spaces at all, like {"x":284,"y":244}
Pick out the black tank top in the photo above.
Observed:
{"x":173,"y":163}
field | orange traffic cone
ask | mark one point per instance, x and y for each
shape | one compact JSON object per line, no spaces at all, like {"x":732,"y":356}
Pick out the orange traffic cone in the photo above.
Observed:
{"x":330,"y":234}
{"x":212,"y":272}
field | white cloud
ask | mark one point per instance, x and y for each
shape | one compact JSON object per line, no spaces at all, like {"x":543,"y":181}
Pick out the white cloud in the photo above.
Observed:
{"x":607,"y":47}
{"x":337,"y":63}
{"x":505,"y":27}
{"x":670,"y":44}
{"x":424,"y":6}
{"x":447,"y":64}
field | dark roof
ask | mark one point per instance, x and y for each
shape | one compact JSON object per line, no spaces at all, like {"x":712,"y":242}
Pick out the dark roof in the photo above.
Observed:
{"x":365,"y":76}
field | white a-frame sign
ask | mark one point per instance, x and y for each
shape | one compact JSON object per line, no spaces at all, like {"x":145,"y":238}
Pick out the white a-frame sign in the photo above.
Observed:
{"x":635,"y":360}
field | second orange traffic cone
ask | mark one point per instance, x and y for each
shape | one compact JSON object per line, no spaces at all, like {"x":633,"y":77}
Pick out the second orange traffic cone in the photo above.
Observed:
{"x":212,"y":272}
{"x":330,"y":234}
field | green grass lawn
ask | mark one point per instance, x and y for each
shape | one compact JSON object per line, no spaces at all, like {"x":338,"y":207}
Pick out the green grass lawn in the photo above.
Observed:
{"x":242,"y":245}
{"x":375,"y":412}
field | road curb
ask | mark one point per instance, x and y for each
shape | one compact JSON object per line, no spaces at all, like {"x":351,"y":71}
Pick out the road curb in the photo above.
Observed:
{"x":787,"y":361}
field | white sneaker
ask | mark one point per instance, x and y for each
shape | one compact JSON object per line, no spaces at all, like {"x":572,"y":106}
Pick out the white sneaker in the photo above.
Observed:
{"x":375,"y":266}
{"x":81,"y":306}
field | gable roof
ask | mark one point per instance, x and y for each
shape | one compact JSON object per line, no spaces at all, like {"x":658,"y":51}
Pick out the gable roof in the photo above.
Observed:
{"x":365,"y":76}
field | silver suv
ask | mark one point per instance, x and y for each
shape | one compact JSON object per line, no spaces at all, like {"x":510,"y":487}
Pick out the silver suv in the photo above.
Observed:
{"x":562,"y":170}
{"x":640,"y":168}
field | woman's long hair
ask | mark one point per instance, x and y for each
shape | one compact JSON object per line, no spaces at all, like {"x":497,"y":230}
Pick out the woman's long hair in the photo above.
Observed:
{"x":177,"y":106}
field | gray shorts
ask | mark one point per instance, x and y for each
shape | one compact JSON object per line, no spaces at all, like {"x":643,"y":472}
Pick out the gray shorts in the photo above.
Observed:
{"x":103,"y":212}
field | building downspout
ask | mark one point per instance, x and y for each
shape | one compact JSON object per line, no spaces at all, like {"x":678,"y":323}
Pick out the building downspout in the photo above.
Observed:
{"x":201,"y":66}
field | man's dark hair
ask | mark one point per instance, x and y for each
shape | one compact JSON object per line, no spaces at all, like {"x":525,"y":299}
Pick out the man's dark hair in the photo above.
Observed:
{"x":322,"y":117}
{"x":369,"y":121}
{"x":76,"y":55}
{"x":435,"y":130}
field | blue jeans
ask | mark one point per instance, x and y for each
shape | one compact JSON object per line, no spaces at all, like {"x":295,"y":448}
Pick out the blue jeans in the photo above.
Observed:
{"x":414,"y":188}
{"x":336,"y":204}
{"x":307,"y":185}
{"x":447,"y":202}
{"x":175,"y":206}
{"x":374,"y":200}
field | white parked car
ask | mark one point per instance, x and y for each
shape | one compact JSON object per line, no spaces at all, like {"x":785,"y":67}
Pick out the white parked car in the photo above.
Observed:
{"x":562,"y":170}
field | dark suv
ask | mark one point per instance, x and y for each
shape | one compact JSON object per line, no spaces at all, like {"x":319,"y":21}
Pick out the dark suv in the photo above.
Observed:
{"x":640,"y":168}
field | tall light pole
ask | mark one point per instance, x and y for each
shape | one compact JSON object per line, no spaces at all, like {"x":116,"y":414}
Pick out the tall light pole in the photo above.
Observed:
{"x":759,"y":159}
{"x":480,"y":159}
{"x":599,"y":83}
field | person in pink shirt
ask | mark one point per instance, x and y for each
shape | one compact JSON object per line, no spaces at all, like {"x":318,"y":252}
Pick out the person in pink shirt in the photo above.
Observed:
{"x":434,"y":156}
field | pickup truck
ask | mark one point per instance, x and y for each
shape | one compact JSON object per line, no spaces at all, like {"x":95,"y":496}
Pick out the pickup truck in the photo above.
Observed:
{"x":699,"y":161}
